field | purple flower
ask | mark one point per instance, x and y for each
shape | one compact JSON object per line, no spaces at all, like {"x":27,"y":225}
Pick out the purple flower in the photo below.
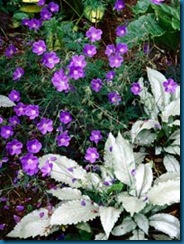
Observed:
{"x":10,"y":51}
{"x":39,"y":47}
{"x":32,"y":111}
{"x":110,"y":49}
{"x":110,"y":75}
{"x":53,"y":7}
{"x":96,"y":84}
{"x":78,"y":61}
{"x":91,"y":154}
{"x":25,"y":22}
{"x":115,"y":60}
{"x":45,"y":14}
{"x":34,"y":24}
{"x":29,"y":164}
{"x":19,"y":109}
{"x":94,"y":34}
{"x":16,"y":218}
{"x":119,"y":5}
{"x":95,"y":136}
{"x":6,"y":131}
{"x":50,"y":60}
{"x":60,"y":81}
{"x":14,"y":120}
{"x":33,"y":146}
{"x":121,"y":48}
{"x":1,"y":120}
{"x":41,"y":2}
{"x":157,"y":1}
{"x":14,"y":147}
{"x":14,"y":96}
{"x":45,"y":125}
{"x":170,"y":85}
{"x":2,"y":226}
{"x":63,"y":139}
{"x":121,"y":30}
{"x":18,"y":73}
{"x":20,"y":208}
{"x":65,"y":117}
{"x":114,"y":98}
{"x":89,"y":50}
{"x":135,"y":88}
{"x":76,"y":72}
{"x":46,"y":169}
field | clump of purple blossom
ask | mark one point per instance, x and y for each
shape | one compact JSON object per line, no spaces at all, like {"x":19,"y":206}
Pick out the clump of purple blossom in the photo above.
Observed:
{"x":136,"y":88}
{"x":14,"y":147}
{"x":39,"y":47}
{"x":95,"y":136}
{"x":33,"y":146}
{"x":60,"y":80}
{"x":18,"y":73}
{"x":96,"y":84}
{"x":65,"y":117}
{"x":14,"y":96}
{"x":50,"y":59}
{"x":170,"y":85}
{"x":114,"y":98}
{"x":94,"y":34}
{"x":91,"y":154}
{"x":63,"y":140}
{"x":45,"y":125}
{"x":29,"y":164}
{"x":119,"y":5}
{"x":6,"y":131}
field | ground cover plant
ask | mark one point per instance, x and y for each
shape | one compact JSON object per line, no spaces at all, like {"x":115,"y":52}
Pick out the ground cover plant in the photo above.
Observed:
{"x":90,"y":120}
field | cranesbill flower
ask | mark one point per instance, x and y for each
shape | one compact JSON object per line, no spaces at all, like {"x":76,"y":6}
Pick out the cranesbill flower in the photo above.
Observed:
{"x":119,"y":5}
{"x":60,"y":80}
{"x":45,"y":125}
{"x":14,"y":147}
{"x":110,"y":49}
{"x":14,"y":96}
{"x":114,"y":98}
{"x":29,"y":164}
{"x":95,"y":136}
{"x":78,"y":61}
{"x":53,"y":7}
{"x":10,"y":51}
{"x":170,"y":85}
{"x":34,"y":24}
{"x":18,"y":73}
{"x":115,"y":61}
{"x":110,"y":75}
{"x":50,"y":60}
{"x":6,"y":131}
{"x":89,"y":50}
{"x":65,"y":117}
{"x":14,"y":120}
{"x":19,"y":109}
{"x":25,"y":22}
{"x":96,"y":84}
{"x":41,"y":2}
{"x":94,"y":34}
{"x":33,"y":146}
{"x":121,"y":48}
{"x":76,"y":72}
{"x":63,"y":139}
{"x":32,"y":111}
{"x":45,"y":14}
{"x":46,"y":168}
{"x":39,"y":47}
{"x":121,"y":30}
{"x":91,"y":154}
{"x":157,"y":1}
{"x":135,"y":88}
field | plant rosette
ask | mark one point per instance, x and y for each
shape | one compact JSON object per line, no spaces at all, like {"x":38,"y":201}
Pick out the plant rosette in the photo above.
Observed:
{"x":94,"y":14}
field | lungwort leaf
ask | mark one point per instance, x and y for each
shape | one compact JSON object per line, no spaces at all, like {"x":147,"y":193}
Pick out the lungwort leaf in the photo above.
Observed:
{"x":74,"y":212}
{"x":171,"y":109}
{"x":167,"y":192}
{"x":6,"y":102}
{"x":138,"y":235}
{"x":125,"y":227}
{"x":123,"y":160}
{"x":143,"y":179}
{"x":33,"y":224}
{"x":166,"y":223}
{"x":65,"y":170}
{"x":66,"y":193}
{"x":171,"y":163}
{"x":142,"y":222}
{"x":108,"y":217}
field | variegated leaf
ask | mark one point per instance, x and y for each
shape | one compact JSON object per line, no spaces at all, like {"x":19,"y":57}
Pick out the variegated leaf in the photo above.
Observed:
{"x":74,"y":212}
{"x":138,"y":235}
{"x":167,"y":176}
{"x":171,"y":163}
{"x":125,"y":227}
{"x":171,"y":109}
{"x":166,"y":223}
{"x":101,"y":237}
{"x":66,"y":193}
{"x":173,"y":149}
{"x":108,"y":157}
{"x":142,"y":222}
{"x":65,"y":170}
{"x":6,"y":102}
{"x":165,"y":193}
{"x":108,"y":217}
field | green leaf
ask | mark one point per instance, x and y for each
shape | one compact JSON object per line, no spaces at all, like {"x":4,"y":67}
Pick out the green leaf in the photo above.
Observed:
{"x":141,"y":7}
{"x":142,"y":29}
{"x":117,"y":187}
{"x":30,"y":8}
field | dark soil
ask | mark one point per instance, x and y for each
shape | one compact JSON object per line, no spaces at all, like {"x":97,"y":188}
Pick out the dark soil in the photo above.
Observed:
{"x":31,"y":197}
